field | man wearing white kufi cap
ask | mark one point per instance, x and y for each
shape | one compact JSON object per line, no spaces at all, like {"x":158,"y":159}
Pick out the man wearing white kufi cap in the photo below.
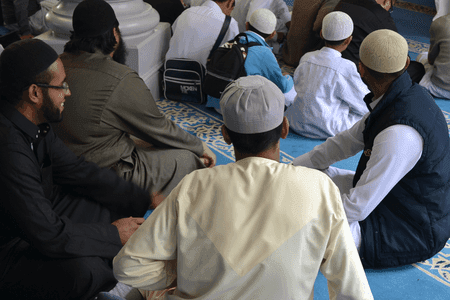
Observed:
{"x":260,"y":60}
{"x":398,"y":200}
{"x":329,"y":89}
{"x":236,"y":230}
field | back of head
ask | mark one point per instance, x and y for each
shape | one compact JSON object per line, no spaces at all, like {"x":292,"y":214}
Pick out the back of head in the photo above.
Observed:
{"x":253,"y":111}
{"x":384,"y":51}
{"x":20,"y":64}
{"x":93,"y":23}
{"x":336,"y":27}
{"x":263,"y":22}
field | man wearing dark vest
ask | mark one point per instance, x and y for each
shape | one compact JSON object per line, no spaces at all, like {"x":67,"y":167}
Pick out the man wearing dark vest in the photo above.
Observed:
{"x":398,"y":201}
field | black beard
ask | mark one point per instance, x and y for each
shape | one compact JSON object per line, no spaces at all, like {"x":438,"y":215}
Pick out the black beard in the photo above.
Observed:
{"x":50,"y":111}
{"x":120,"y":54}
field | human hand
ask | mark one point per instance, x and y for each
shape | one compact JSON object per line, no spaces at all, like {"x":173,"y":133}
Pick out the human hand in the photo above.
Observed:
{"x":157,"y":198}
{"x":208,"y":157}
{"x":127,"y":226}
{"x":28,"y":36}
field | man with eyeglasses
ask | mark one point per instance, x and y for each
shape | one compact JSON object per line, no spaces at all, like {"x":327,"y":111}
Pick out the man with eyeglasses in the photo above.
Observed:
{"x":63,"y":219}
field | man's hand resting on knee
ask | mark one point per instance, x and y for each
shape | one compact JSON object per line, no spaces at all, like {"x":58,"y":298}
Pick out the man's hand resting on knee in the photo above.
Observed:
{"x":208,"y":157}
{"x":127,"y":226}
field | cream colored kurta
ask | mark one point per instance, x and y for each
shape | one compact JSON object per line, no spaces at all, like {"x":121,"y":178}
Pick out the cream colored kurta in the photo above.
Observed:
{"x":254,"y":229}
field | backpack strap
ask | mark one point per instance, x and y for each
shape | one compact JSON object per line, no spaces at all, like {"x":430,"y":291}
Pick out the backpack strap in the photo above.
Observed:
{"x":224,"y":29}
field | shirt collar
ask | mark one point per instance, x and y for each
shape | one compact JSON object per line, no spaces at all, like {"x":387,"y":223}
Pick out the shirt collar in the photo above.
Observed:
{"x":375,"y":102}
{"x":331,"y":51}
{"x":213,"y":5}
{"x":21,"y":122}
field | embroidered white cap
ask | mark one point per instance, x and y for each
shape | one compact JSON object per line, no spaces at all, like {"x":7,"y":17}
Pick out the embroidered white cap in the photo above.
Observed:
{"x":252,"y":104}
{"x":264,"y":20}
{"x":384,"y":51}
{"x":337,"y":26}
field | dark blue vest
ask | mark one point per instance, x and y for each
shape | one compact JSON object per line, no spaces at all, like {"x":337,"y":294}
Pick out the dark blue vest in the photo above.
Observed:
{"x":412,"y":223}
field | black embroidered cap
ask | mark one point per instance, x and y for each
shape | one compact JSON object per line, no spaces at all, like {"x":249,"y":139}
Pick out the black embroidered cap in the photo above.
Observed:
{"x":21,"y":61}
{"x":92,"y":18}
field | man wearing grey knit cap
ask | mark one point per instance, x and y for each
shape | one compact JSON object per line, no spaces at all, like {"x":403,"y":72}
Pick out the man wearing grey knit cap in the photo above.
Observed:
{"x":63,"y":219}
{"x":255,"y":228}
{"x":398,"y":201}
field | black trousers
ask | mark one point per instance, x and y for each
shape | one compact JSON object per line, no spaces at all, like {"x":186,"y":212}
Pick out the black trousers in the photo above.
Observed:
{"x":36,"y":276}
{"x":416,"y":71}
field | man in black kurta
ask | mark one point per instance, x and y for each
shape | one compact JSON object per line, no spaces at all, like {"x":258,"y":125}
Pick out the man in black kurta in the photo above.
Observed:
{"x":62,"y":218}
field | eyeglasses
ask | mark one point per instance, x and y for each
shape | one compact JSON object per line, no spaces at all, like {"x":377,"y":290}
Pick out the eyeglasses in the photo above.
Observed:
{"x":65,"y":86}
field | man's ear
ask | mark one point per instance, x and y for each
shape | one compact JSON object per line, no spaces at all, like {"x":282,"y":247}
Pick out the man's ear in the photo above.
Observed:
{"x":321,"y":36}
{"x":348,"y":40}
{"x":271,"y":36}
{"x":34,"y":94}
{"x":246,"y":25}
{"x":116,"y":36}
{"x":285,"y":128}
{"x":408,"y":61}
{"x":225,"y":135}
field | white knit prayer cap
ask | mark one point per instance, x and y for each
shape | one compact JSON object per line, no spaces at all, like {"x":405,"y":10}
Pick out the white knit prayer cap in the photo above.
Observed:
{"x":264,"y":20}
{"x":252,"y":104}
{"x":337,"y":26}
{"x":384,"y":51}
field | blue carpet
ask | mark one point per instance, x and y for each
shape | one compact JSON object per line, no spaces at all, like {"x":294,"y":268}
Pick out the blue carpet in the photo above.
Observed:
{"x":425,"y":280}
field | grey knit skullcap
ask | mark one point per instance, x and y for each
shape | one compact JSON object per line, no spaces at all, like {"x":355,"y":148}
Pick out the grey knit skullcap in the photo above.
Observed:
{"x":252,"y":104}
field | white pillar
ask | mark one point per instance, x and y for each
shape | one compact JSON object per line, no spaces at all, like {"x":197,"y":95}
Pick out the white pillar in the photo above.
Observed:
{"x":146,"y":39}
{"x":442,"y":8}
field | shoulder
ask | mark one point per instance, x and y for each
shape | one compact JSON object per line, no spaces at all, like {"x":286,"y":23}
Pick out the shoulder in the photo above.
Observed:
{"x":95,"y":63}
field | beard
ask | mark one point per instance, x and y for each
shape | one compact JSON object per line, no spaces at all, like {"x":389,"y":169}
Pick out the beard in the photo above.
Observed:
{"x":49,"y":109}
{"x":120,"y":54}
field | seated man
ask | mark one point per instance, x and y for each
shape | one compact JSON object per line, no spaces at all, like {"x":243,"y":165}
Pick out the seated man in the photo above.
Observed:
{"x":62,"y":218}
{"x":437,"y":61}
{"x":367,"y":16}
{"x":398,"y":201}
{"x":253,"y":229}
{"x":330,"y":91}
{"x":26,"y":16}
{"x":168,"y":10}
{"x":304,"y":32}
{"x":196,"y":30}
{"x":260,"y":59}
{"x":111,"y":103}
{"x":245,"y":8}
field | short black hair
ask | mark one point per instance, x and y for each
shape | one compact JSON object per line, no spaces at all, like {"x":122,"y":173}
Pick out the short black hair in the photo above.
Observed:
{"x":256,"y":142}
{"x":12,"y":92}
{"x":334,"y":43}
{"x":378,"y":76}
{"x":105,"y":42}
{"x":264,"y":35}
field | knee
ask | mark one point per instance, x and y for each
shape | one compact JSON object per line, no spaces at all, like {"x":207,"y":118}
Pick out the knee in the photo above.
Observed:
{"x":83,"y":278}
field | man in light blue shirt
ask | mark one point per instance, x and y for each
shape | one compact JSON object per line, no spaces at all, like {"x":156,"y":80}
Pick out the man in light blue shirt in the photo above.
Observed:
{"x":329,"y":89}
{"x":260,"y":60}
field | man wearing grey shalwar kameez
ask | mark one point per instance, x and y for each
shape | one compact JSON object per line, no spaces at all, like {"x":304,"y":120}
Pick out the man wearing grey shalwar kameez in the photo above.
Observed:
{"x":110,"y":103}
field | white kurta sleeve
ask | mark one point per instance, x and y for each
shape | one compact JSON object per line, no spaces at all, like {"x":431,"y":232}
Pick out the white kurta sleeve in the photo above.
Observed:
{"x":396,"y":150}
{"x":343,"y":145}
{"x":148,"y":259}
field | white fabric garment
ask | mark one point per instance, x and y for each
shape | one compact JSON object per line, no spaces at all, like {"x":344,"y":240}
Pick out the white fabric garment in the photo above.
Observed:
{"x":245,"y":8}
{"x":442,"y":8}
{"x":396,"y":150}
{"x":426,"y":79}
{"x":195,"y":31}
{"x":330,"y":95}
{"x":254,"y":229}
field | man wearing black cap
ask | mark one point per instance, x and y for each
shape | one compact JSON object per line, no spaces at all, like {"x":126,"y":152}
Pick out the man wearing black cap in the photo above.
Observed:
{"x":62,"y":218}
{"x":111,"y":102}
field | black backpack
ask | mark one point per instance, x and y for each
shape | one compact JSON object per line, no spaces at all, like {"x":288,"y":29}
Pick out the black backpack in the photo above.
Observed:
{"x":226,"y":65}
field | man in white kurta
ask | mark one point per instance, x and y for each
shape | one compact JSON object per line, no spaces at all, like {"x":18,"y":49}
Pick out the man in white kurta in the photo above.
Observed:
{"x":329,"y":89}
{"x":196,"y":30}
{"x":253,"y":229}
